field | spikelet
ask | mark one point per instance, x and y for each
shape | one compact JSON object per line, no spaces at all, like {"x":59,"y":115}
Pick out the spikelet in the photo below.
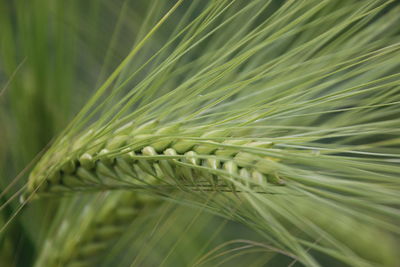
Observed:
{"x":208,"y":162}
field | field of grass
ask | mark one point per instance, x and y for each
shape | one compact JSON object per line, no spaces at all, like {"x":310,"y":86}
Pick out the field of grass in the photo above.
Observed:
{"x":199,"y":133}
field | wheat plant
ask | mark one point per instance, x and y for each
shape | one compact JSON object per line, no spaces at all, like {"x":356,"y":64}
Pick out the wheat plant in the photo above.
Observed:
{"x":269,"y":128}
